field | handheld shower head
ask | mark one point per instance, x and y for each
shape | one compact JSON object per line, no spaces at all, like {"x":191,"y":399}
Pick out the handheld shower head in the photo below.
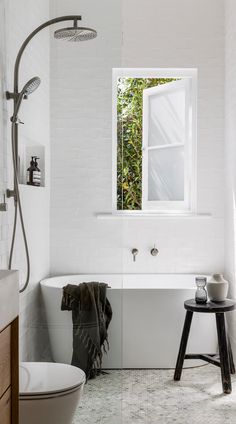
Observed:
{"x":31,"y":86}
{"x":28,"y":88}
{"x":75,"y":33}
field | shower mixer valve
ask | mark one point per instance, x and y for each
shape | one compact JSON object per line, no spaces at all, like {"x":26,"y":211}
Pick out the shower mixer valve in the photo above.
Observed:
{"x":10,"y":193}
{"x":3,"y":206}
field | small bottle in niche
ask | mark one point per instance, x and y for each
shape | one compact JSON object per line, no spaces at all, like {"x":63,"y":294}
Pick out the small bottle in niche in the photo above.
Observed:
{"x":34,"y":173}
{"x":201,"y":293}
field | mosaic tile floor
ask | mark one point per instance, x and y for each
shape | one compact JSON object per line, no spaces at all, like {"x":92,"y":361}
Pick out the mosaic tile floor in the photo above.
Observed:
{"x":152,"y":397}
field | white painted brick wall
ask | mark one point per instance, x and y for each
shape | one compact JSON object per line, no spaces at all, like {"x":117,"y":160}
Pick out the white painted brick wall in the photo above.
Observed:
{"x":184,"y":34}
{"x":81,"y":142}
{"x":156,"y":33}
{"x":17,"y":20}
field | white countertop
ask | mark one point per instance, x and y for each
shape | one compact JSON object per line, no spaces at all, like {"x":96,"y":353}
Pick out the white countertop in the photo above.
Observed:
{"x":9,"y":297}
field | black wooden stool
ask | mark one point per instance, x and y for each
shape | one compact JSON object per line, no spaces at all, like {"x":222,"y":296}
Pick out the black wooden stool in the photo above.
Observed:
{"x":225,"y":362}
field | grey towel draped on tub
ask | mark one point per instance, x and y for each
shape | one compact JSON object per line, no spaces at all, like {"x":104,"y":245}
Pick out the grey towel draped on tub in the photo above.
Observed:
{"x":91,"y":316}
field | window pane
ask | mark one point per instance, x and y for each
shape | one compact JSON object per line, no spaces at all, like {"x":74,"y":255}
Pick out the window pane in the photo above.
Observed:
{"x":166,"y":174}
{"x":129,"y":138}
{"x":167,"y":118}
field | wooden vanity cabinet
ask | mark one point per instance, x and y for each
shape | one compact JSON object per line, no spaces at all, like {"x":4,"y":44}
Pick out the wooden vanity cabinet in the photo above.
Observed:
{"x":9,"y":374}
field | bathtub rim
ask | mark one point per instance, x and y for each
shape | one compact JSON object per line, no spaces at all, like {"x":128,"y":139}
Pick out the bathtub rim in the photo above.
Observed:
{"x":123,"y":279}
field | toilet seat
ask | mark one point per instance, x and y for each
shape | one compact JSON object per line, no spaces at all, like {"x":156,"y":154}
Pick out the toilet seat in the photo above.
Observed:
{"x":44,"y":380}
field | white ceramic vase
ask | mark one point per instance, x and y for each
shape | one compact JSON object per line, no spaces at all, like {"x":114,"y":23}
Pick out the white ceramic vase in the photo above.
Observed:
{"x":217,"y":288}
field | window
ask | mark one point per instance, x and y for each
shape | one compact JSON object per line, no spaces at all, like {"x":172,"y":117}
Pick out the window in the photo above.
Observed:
{"x":154,"y":140}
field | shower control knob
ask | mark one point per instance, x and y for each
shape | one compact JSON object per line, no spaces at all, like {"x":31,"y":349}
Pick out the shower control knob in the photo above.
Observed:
{"x":154,"y":251}
{"x":134,"y":252}
{"x":3,"y":206}
{"x":10,"y":193}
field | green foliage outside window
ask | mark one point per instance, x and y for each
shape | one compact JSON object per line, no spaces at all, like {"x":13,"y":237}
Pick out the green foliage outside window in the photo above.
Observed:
{"x":129,"y":139}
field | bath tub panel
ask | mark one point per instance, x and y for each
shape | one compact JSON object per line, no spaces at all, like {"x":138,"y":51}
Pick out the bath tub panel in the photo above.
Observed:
{"x":147,"y":322}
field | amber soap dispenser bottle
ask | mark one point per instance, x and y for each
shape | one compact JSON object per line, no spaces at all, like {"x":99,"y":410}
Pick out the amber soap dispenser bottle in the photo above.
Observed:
{"x":34,"y":173}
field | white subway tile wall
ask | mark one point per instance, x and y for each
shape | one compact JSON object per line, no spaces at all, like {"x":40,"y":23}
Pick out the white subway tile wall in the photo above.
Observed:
{"x":81,"y":123}
{"x":17,"y":20}
{"x":230,"y":154}
{"x":131,"y":33}
{"x":156,"y":33}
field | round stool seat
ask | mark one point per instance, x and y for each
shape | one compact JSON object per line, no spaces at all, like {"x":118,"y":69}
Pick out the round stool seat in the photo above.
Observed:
{"x":210,"y":307}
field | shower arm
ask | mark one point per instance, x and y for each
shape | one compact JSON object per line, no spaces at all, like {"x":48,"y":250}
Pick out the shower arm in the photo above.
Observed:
{"x":17,"y":97}
{"x":15,"y":94}
{"x":29,"y":38}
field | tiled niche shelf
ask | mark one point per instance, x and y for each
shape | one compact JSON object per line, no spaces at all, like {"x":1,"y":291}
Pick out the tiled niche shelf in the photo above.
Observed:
{"x":25,"y":153}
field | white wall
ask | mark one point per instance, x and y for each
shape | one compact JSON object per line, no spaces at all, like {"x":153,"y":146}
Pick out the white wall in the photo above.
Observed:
{"x":17,"y":20}
{"x":81,"y":142}
{"x":187,"y":34}
{"x":131,"y":33}
{"x":230,"y":152}
{"x":3,"y":144}
{"x":155,"y":33}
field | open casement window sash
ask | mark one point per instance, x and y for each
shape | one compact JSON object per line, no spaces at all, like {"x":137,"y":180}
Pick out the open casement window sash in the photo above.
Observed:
{"x":167,"y":144}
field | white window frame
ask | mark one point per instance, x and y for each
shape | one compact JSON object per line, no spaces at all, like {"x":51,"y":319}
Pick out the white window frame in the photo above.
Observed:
{"x":160,"y":207}
{"x":159,"y":204}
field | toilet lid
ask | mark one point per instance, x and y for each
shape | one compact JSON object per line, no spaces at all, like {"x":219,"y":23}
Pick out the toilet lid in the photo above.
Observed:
{"x":45,"y":378}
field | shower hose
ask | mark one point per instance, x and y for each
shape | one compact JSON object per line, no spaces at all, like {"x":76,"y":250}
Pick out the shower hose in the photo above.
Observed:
{"x":17,"y":204}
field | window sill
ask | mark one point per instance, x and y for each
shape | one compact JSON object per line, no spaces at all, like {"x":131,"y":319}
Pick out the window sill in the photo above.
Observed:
{"x":135,"y":215}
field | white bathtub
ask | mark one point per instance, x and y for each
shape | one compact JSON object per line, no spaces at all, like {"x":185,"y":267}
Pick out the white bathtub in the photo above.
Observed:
{"x":148,"y":316}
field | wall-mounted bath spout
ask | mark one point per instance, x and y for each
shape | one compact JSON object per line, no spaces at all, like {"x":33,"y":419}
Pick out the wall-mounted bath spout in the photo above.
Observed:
{"x":134,"y":253}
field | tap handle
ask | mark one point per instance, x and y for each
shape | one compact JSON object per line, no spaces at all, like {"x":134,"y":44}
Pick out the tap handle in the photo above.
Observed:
{"x":134,"y":253}
{"x":154,"y":251}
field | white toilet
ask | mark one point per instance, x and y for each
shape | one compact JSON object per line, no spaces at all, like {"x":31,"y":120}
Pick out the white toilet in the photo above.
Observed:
{"x":49,"y":392}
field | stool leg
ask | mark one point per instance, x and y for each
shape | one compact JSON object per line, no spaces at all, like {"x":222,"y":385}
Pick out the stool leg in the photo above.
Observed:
{"x":223,"y":350}
{"x":183,"y":345}
{"x":231,"y":358}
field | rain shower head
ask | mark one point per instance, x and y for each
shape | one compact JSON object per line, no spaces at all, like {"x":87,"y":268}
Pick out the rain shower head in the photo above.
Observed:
{"x":31,"y":86}
{"x":75,"y":33}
